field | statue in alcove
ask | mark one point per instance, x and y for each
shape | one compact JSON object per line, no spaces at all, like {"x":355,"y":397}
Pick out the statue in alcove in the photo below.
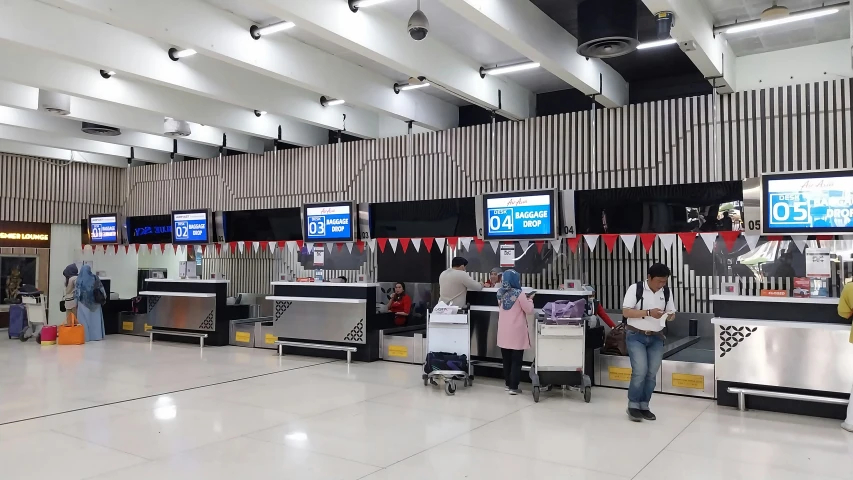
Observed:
{"x":13,"y":285}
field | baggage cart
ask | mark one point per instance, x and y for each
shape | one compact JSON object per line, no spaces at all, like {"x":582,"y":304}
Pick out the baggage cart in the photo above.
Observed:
{"x":560,"y":355}
{"x":449,"y":333}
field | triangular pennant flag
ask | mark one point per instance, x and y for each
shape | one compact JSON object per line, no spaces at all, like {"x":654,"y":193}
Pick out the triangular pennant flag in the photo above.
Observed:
{"x":440,"y":242}
{"x":349,"y":247}
{"x":629,"y":241}
{"x":404,"y":242}
{"x":256,"y":246}
{"x":340,"y":246}
{"x":105,"y":249}
{"x":496,"y":245}
{"x":729,"y":238}
{"x":162,"y":248}
{"x":687,"y":238}
{"x":291,"y":246}
{"x":540,"y":245}
{"x":150,"y":246}
{"x":428,"y":241}
{"x":573,"y":243}
{"x":300,"y":244}
{"x":360,"y":246}
{"x":263,"y":246}
{"x":271,"y":246}
{"x":183,"y":250}
{"x":310,"y":246}
{"x":591,"y":241}
{"x":648,"y":240}
{"x":203,"y":249}
{"x":382,"y":242}
{"x":752,"y":240}
{"x":710,"y":238}
{"x":466,"y":242}
{"x":609,"y":241}
{"x":280,"y":244}
{"x":479,"y":243}
{"x":218,"y":249}
{"x":394,"y":242}
{"x":557,"y":245}
{"x":524,"y":244}
{"x":233,"y":247}
{"x":799,"y":241}
{"x":241,"y":246}
{"x":136,"y":246}
{"x":329,"y":247}
{"x":126,"y":249}
{"x":667,"y":239}
{"x":416,"y":242}
{"x":174,"y":249}
{"x":452,"y":242}
{"x":115,"y":247}
{"x":372,"y":244}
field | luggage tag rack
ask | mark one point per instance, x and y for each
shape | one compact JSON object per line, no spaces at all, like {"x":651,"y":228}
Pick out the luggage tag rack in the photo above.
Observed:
{"x":448,"y":337}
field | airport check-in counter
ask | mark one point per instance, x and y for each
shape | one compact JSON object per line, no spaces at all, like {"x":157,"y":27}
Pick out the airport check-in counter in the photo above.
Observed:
{"x":790,"y":355}
{"x":336,"y":314}
{"x":484,"y":326}
{"x":191,"y":305}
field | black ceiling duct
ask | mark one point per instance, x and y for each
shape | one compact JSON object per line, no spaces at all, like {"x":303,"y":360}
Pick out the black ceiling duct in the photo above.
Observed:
{"x":607,"y":28}
{"x":102,"y":130}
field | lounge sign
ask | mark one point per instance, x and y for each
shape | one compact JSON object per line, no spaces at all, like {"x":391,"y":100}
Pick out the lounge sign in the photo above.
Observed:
{"x":22,"y":234}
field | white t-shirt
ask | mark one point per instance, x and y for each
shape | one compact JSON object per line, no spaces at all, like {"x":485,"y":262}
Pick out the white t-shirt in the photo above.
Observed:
{"x":651,"y":300}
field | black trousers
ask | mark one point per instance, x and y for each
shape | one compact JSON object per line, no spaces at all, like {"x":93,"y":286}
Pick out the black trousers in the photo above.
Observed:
{"x":512,"y":367}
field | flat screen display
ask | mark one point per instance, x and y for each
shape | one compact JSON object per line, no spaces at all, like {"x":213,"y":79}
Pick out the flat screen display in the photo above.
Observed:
{"x":154,"y":229}
{"x":329,"y":222}
{"x":191,"y":226}
{"x":103,"y":228}
{"x":813,"y":202}
{"x":269,"y":225}
{"x":527,"y":215}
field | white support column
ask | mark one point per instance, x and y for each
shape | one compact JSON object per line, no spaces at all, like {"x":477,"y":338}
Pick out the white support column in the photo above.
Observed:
{"x":525,"y":28}
{"x":383,"y":38}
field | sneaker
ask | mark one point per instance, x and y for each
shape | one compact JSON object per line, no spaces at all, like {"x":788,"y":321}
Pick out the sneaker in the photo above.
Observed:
{"x":847,"y":426}
{"x":506,"y":388}
{"x":635,"y":414}
{"x":647,"y":415}
{"x":517,"y":391}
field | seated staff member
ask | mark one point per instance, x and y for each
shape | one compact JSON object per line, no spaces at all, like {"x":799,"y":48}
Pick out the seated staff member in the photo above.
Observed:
{"x":845,"y":309}
{"x":644,"y":307}
{"x":454,"y":283}
{"x":400,"y":304}
{"x":495,"y":276}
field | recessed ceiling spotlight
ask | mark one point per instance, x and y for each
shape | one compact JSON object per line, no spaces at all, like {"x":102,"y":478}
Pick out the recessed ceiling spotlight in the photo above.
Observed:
{"x":657,"y":43}
{"x":412,"y":84}
{"x":331,"y":102}
{"x":258,"y":113}
{"x":257,"y":32}
{"x":518,"y":67}
{"x":354,"y":5}
{"x":107,"y":73}
{"x":176,"y":54}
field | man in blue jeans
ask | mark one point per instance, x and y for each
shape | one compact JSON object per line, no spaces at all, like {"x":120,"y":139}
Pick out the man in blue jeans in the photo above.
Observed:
{"x":647,"y":307}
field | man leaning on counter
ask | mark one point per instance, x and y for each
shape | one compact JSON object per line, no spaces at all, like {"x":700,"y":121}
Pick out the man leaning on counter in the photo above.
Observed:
{"x":845,"y":309}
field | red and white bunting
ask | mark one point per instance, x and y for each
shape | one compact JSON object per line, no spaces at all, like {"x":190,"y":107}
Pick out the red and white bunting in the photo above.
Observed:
{"x":479,"y":244}
{"x":428,"y":242}
{"x":241,"y":246}
{"x":136,"y":246}
{"x":203,"y":249}
{"x":752,"y":240}
{"x":730,"y":238}
{"x":183,"y":249}
{"x":329,"y":247}
{"x":799,"y":241}
{"x":609,"y":241}
{"x":105,"y":249}
{"x":349,"y":247}
{"x":383,"y":242}
{"x":524,"y":244}
{"x":710,"y":238}
{"x":557,"y":245}
{"x":667,"y":239}
{"x":394,"y":242}
{"x":256,"y":246}
{"x":271,"y":246}
{"x":416,"y":242}
{"x":573,"y":243}
{"x":404,"y":242}
{"x":440,"y":242}
{"x":466,"y":242}
{"x":629,"y":241}
{"x":291,"y":246}
{"x":372,"y":244}
{"x":688,"y":239}
{"x":648,"y":240}
{"x":496,"y":245}
{"x":591,"y":241}
{"x":162,"y":249}
{"x":218,"y":249}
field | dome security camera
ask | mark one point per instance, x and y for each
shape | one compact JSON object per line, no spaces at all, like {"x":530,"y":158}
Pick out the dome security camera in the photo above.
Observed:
{"x":418,"y":25}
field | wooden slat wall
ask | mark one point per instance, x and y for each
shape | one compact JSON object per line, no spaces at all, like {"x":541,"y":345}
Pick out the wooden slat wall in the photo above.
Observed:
{"x":658,"y":143}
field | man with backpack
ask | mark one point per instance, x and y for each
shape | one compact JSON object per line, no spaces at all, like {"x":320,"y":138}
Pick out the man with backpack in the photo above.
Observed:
{"x":647,"y":307}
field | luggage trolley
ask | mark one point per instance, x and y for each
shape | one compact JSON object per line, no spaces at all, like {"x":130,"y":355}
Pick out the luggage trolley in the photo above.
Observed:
{"x":560,"y":355}
{"x":448,"y":331}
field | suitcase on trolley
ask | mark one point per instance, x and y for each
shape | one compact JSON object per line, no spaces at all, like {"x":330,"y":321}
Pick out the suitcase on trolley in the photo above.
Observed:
{"x":17,"y":320}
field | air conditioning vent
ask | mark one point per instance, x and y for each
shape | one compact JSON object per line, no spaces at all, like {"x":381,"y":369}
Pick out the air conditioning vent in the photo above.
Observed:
{"x":607,"y":28}
{"x":55,"y":103}
{"x":102,"y":130}
{"x":176,"y":128}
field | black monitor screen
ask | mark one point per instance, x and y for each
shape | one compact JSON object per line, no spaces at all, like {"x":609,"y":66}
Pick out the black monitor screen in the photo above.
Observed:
{"x":453,"y":217}
{"x":273,"y":225}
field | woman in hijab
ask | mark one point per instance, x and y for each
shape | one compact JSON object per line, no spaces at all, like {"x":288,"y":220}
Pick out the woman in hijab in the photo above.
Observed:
{"x":513,"y":339}
{"x":88,"y":309}
{"x":70,"y":274}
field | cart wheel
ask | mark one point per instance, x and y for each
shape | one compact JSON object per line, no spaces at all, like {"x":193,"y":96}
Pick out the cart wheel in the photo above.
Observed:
{"x":549,"y":388}
{"x":587,"y":394}
{"x":433,"y":382}
{"x":471,"y":380}
{"x":426,"y":379}
{"x":536,"y":392}
{"x":450,"y":388}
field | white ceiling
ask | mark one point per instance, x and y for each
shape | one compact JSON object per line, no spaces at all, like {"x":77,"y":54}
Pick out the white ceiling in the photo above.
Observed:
{"x":800,"y":34}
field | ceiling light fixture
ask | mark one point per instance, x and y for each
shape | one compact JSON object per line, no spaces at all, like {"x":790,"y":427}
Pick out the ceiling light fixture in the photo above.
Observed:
{"x":657,"y":43}
{"x":331,"y":102}
{"x":257,"y":32}
{"x":176,"y":54}
{"x":107,"y":73}
{"x":354,"y":5}
{"x":412,"y":84}
{"x":794,"y":17}
{"x":518,"y":67}
{"x":258,"y":113}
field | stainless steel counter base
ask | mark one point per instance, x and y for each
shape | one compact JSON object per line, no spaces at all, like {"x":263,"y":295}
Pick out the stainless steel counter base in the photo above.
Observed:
{"x":681,"y":378}
{"x":187,"y":313}
{"x":317,"y":321}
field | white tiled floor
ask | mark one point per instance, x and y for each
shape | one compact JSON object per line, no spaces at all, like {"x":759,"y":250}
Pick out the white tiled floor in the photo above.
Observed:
{"x":169,"y":413}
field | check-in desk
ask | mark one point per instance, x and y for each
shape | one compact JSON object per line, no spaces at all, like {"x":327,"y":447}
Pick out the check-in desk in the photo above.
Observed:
{"x":791,"y":355}
{"x":191,"y":305}
{"x":342,"y":314}
{"x":484,"y":326}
